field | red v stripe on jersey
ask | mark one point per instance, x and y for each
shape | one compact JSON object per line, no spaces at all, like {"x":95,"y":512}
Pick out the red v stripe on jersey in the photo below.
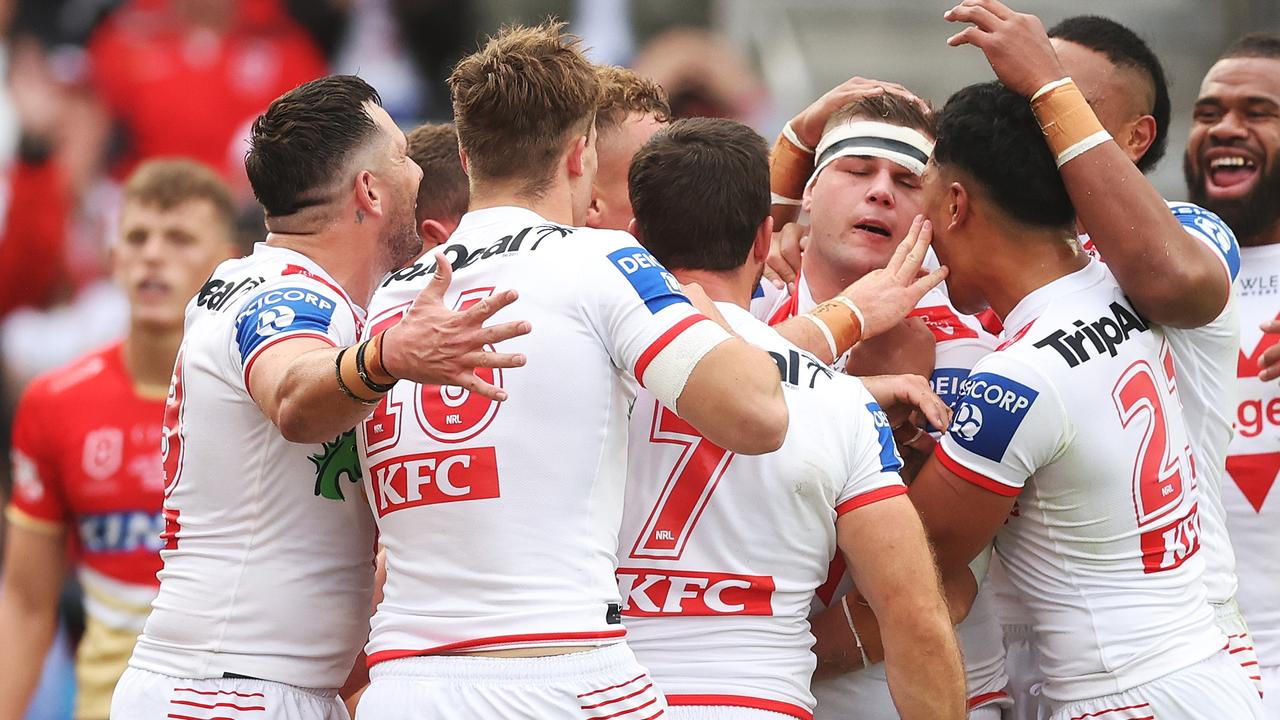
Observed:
{"x":1254,"y":475}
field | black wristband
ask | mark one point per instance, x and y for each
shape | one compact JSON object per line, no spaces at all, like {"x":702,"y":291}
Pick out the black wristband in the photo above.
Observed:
{"x":342,"y":385}
{"x":363,"y":371}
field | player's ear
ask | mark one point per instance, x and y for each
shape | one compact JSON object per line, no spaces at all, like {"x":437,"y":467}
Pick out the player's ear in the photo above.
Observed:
{"x":1140,"y":134}
{"x":368,"y":195}
{"x":806,"y":200}
{"x":433,"y":232}
{"x":764,"y":237}
{"x":576,"y":158}
{"x":466,"y":164}
{"x":595,"y":211}
{"x":959,"y":205}
{"x":634,"y":228}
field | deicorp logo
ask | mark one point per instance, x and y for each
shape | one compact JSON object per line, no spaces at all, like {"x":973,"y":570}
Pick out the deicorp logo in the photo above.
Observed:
{"x":655,"y":286}
{"x":991,"y":411}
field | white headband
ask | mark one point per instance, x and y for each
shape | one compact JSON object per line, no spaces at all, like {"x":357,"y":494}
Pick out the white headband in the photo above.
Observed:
{"x":869,"y":138}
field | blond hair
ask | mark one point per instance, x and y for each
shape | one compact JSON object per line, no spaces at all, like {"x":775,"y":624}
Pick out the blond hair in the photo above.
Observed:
{"x":519,"y":99}
{"x":624,"y":92}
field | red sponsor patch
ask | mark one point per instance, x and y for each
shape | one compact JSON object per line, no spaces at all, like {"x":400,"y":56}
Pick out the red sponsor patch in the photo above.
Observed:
{"x":1166,"y":548}
{"x":654,"y":593}
{"x":408,"y":481}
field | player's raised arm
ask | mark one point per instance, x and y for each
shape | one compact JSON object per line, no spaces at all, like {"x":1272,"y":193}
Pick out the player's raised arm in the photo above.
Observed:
{"x":1172,"y":277}
{"x":312,"y":391}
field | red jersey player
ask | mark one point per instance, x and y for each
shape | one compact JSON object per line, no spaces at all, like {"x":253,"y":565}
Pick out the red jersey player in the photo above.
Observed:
{"x":86,"y":445}
{"x":1233,"y":168}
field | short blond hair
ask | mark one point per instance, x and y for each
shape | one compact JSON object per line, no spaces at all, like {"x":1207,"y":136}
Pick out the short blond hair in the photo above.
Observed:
{"x":443,"y":192}
{"x":169,"y":182}
{"x":519,"y":99}
{"x":623,"y":92}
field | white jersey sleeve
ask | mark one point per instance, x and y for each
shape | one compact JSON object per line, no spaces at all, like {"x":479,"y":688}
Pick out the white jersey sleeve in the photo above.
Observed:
{"x":646,"y":322}
{"x":1009,"y":423}
{"x":291,"y":306}
{"x":873,"y":462}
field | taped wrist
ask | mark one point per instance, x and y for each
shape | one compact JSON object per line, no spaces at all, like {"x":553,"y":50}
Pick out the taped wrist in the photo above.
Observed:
{"x":1069,"y":125}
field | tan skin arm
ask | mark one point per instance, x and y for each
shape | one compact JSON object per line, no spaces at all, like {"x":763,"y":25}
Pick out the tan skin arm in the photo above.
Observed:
{"x":35,"y":567}
{"x":889,"y":560}
{"x":1171,"y":277}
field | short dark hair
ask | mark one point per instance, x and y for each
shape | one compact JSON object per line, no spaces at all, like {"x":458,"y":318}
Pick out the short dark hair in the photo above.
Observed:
{"x":888,"y":108}
{"x":1255,"y":44}
{"x":1123,"y":47}
{"x":990,"y":133}
{"x":700,"y":189}
{"x":299,"y":145}
{"x":443,"y":192}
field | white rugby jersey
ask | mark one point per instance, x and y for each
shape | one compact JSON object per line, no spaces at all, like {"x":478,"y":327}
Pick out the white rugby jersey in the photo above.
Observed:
{"x":500,"y":520}
{"x":268,"y":554}
{"x":1253,"y":466}
{"x":719,"y":555}
{"x":1076,"y":416}
{"x":1205,"y":358}
{"x":961,"y":342}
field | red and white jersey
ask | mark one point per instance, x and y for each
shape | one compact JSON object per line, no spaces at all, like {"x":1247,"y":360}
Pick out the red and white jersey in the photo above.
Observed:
{"x":719,"y":554}
{"x":86,"y":460}
{"x":1253,"y":466}
{"x":268,"y":547}
{"x":1205,"y":358}
{"x":1076,"y":415}
{"x":500,"y":520}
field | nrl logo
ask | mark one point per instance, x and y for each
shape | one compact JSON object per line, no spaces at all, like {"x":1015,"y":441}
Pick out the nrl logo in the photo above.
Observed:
{"x":337,"y":458}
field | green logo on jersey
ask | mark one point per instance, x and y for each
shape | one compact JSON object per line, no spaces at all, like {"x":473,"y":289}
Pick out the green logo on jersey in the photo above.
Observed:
{"x":337,"y":458}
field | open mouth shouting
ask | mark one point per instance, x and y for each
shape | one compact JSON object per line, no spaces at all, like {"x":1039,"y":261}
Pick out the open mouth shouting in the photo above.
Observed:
{"x":1229,"y":172}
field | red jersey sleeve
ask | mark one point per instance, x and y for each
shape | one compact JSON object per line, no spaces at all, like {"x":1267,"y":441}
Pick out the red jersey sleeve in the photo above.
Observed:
{"x":38,"y":500}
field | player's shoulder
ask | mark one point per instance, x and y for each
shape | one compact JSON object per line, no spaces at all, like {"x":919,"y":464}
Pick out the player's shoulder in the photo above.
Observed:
{"x":87,"y":372}
{"x":1213,"y":231}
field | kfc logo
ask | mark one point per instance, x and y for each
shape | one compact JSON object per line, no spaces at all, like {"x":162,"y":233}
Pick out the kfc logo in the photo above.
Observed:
{"x":650,"y":593}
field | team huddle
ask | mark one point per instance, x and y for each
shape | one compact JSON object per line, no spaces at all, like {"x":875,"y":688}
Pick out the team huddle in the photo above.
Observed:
{"x":917,"y":414}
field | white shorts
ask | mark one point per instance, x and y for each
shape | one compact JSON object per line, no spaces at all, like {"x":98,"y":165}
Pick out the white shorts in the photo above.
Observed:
{"x":1212,"y":689}
{"x":592,"y":684}
{"x":722,"y":712}
{"x":1022,"y":662}
{"x":144,"y":695}
{"x":1240,"y":645}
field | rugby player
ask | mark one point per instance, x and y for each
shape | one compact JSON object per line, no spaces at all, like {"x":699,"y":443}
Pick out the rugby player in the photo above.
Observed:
{"x":500,"y":522}
{"x":1074,"y":418}
{"x":861,"y":196}
{"x":721,"y":555}
{"x":1188,"y":253}
{"x":268,"y":549}
{"x":1232,"y":167}
{"x":443,"y":192}
{"x":632,"y":108}
{"x":87,"y":473}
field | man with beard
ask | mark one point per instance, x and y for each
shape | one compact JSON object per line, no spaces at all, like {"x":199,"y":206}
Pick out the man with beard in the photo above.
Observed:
{"x":267,"y":546}
{"x":1232,"y":167}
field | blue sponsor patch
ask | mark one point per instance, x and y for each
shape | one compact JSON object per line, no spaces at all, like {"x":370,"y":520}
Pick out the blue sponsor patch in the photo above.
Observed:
{"x":990,"y":412}
{"x":1210,"y":229}
{"x":281,"y":310}
{"x":655,"y":286}
{"x":947,"y":383}
{"x":118,"y":532}
{"x":890,"y":461}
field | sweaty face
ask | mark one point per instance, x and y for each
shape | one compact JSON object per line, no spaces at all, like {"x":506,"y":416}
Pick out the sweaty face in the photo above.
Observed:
{"x":610,"y":202}
{"x":1232,"y":165}
{"x":163,"y":256}
{"x":860,"y":208}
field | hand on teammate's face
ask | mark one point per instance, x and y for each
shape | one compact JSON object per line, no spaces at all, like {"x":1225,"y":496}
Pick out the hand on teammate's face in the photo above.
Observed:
{"x":1270,"y":361}
{"x":885,"y":296}
{"x":434,"y":345}
{"x":1015,"y":44}
{"x":785,"y":250}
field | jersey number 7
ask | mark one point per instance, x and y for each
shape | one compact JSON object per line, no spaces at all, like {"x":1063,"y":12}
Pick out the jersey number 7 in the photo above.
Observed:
{"x":687,"y":490}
